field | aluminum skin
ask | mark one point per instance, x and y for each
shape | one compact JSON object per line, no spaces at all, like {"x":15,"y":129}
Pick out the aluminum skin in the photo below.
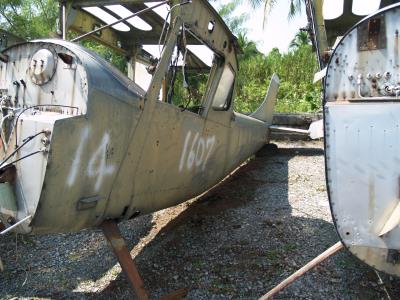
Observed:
{"x":361,"y":122}
{"x":106,"y":148}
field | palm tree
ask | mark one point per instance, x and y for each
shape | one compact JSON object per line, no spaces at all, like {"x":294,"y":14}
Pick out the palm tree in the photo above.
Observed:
{"x":249,"y":48}
{"x":234,"y":22}
{"x":300,"y":39}
{"x":295,"y":7}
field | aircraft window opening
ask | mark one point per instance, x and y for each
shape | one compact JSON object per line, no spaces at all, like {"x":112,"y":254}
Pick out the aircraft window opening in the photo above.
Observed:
{"x":223,"y":95}
{"x":95,"y":27}
{"x":188,"y":76}
{"x":211,"y":26}
{"x":66,"y":58}
{"x":165,"y":27}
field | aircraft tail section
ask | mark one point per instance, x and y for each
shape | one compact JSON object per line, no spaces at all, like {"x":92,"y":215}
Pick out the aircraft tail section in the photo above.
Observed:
{"x":266,"y":109}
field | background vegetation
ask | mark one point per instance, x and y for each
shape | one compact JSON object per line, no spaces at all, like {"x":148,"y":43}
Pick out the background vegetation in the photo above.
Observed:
{"x":296,"y":68}
{"x":38,"y":18}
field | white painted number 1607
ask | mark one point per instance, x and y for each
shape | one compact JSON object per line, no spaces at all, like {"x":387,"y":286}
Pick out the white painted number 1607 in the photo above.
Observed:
{"x":196,"y":152}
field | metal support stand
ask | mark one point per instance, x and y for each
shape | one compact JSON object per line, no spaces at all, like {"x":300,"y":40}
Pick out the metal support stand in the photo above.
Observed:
{"x":316,"y":261}
{"x":2,"y":227}
{"x":117,"y":243}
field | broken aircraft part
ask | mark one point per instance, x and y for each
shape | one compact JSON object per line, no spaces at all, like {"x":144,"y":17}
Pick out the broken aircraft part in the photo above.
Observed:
{"x":83,"y":144}
{"x":361,"y":105}
{"x":89,"y":144}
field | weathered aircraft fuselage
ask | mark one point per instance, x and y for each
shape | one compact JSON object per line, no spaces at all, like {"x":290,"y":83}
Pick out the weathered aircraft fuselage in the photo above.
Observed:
{"x":107,"y":148}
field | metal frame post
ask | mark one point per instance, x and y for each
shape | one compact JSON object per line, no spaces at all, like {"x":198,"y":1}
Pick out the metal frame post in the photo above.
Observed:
{"x":64,"y":20}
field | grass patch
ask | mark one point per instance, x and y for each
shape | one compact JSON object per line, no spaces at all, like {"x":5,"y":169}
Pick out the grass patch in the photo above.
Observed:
{"x":272,"y":255}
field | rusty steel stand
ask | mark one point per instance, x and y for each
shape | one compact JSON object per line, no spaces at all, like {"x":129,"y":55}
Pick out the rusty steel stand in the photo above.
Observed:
{"x":117,"y":243}
{"x":310,"y":265}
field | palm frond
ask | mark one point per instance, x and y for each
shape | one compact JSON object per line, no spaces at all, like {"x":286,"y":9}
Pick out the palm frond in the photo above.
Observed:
{"x":268,"y":5}
{"x":255,"y":3}
{"x":295,"y":8}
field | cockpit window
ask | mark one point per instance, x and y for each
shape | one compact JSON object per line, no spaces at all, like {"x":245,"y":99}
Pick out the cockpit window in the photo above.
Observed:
{"x":188,"y":75}
{"x":188,"y":63}
{"x":199,"y":58}
{"x":223,"y":95}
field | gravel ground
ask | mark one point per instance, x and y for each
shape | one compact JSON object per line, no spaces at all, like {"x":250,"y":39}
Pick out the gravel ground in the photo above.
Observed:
{"x":235,"y":242}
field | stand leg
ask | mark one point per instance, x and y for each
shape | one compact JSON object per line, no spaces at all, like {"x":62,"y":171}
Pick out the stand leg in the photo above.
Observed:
{"x":316,"y":261}
{"x":117,"y":243}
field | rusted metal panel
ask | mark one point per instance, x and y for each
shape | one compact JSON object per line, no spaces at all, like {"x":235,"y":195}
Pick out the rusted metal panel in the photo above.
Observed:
{"x":371,"y":35}
{"x":176,"y":295}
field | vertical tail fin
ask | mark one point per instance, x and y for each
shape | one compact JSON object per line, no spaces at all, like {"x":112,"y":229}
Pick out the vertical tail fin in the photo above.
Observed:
{"x":266,"y":109}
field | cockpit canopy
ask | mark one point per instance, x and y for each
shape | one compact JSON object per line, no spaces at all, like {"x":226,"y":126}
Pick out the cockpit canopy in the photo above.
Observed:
{"x":140,"y":36}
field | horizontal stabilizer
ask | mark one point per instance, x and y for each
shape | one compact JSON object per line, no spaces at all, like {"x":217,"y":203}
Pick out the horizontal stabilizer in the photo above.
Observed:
{"x":288,"y":129}
{"x":315,"y":131}
{"x":266,"y":109}
{"x":319,"y":75}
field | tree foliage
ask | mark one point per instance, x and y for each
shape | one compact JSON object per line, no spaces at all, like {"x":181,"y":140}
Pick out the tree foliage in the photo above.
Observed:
{"x":29,"y":19}
{"x":300,"y":39}
{"x":295,"y":69}
{"x":234,"y":22}
{"x":295,"y":7}
{"x":114,"y":58}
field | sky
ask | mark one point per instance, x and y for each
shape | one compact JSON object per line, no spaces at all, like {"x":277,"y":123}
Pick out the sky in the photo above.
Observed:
{"x":278,"y":32}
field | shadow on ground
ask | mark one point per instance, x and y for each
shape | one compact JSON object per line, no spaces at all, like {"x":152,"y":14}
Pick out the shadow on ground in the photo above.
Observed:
{"x":52,"y":266}
{"x":237,"y":241}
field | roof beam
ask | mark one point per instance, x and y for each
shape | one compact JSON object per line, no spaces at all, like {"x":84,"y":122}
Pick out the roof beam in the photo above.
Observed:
{"x":81,"y":3}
